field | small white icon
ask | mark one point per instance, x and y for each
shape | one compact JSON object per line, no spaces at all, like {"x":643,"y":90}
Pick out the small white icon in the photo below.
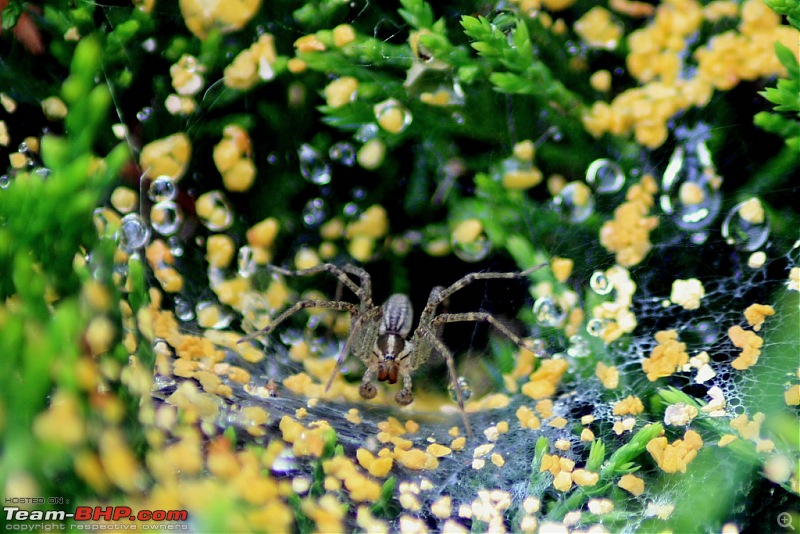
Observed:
{"x":785,"y":520}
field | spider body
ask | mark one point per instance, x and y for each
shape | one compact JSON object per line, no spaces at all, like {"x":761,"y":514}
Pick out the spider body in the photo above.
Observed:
{"x":381,"y":336}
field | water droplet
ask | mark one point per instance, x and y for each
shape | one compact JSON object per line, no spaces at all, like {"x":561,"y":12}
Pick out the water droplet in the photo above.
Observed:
{"x":5,"y":181}
{"x":575,"y":201}
{"x":161,"y":189}
{"x":343,"y":153}
{"x":183,"y":310}
{"x":285,"y":464}
{"x":175,"y":246}
{"x":366,"y":132}
{"x":312,"y":165}
{"x":595,"y":327}
{"x":358,"y":193}
{"x":605,"y":176}
{"x":691,"y":187}
{"x":746,"y":226}
{"x":149,"y":45}
{"x":351,"y":210}
{"x":246,"y":262}
{"x":211,"y":315}
{"x":272,"y":158}
{"x":42,"y":172}
{"x":144,"y":114}
{"x":578,"y":347}
{"x":392,"y":116}
{"x":473,"y":251}
{"x":133,"y":233}
{"x":314,"y":212}
{"x":166,"y":217}
{"x":600,"y":283}
{"x":214,"y":211}
{"x":547,"y":312}
{"x":23,"y":147}
{"x":463,"y":385}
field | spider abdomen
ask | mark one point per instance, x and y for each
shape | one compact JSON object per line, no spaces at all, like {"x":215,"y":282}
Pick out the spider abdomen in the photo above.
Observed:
{"x":397,"y":315}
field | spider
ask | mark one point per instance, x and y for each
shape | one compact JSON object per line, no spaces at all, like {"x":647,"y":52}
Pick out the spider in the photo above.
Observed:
{"x":381,"y":337}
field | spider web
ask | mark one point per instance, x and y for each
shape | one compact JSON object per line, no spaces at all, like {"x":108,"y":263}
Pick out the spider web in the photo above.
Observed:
{"x":730,"y":287}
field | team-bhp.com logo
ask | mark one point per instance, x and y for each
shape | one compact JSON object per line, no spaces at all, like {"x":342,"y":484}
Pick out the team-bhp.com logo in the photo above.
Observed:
{"x":87,"y":517}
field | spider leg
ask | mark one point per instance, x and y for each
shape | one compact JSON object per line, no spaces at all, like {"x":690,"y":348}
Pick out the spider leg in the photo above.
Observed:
{"x":440,"y":347}
{"x":430,"y":307}
{"x":481,"y":317}
{"x":355,"y":328}
{"x":340,"y":273}
{"x":328,"y":304}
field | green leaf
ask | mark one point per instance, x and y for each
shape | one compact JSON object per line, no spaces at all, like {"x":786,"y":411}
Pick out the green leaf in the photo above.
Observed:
{"x":788,"y":60}
{"x":417,"y":13}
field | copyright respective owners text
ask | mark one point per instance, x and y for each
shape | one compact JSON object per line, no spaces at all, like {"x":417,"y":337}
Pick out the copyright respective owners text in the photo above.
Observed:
{"x":36,"y":514}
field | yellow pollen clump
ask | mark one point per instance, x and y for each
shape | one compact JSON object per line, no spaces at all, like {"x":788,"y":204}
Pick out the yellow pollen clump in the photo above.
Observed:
{"x":628,"y":234}
{"x":691,"y":194}
{"x":219,"y":250}
{"x":609,"y":376}
{"x":668,"y":357}
{"x":687,"y":293}
{"x":562,"y":268}
{"x":524,"y":150}
{"x":438,"y":450}
{"x":309,"y":43}
{"x":747,"y":429}
{"x":204,"y":16}
{"x":252,"y":65}
{"x":629,"y":405}
{"x":519,"y":179}
{"x":263,"y":234}
{"x":442,"y":508}
{"x":632,"y":8}
{"x":186,"y":73}
{"x":416,"y":459}
{"x":343,"y":34}
{"x":54,"y":108}
{"x":373,"y":223}
{"x":679,"y":414}
{"x":598,"y":29}
{"x":168,"y":156}
{"x":757,"y":313}
{"x":750,"y":344}
{"x":467,"y":231}
{"x":544,"y":381}
{"x":341,"y":91}
{"x":124,"y":199}
{"x":377,"y":467}
{"x":675,"y":456}
{"x":632,"y":484}
{"x":792,"y":395}
{"x":587,"y":435}
{"x":306,"y":258}
{"x":582,"y":477}
{"x":794,"y":279}
{"x":527,"y":419}
{"x":601,"y":80}
{"x":370,"y":155}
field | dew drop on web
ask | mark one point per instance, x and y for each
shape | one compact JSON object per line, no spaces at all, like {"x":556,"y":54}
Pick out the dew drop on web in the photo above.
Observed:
{"x":547,"y":312}
{"x":746,"y":226}
{"x":312,"y":165}
{"x":575,"y":202}
{"x":133,"y":232}
{"x":605,"y":176}
{"x":166,"y":217}
{"x":161,"y":189}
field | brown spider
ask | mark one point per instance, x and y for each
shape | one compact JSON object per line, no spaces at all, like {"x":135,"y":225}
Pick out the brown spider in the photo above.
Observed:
{"x":379,"y":335}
